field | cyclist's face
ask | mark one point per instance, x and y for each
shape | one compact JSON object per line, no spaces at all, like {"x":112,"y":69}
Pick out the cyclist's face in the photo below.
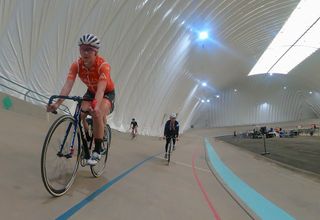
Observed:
{"x":88,"y":54}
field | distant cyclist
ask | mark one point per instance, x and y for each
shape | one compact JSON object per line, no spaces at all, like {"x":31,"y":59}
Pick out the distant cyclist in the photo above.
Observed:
{"x":94,"y":72}
{"x":171,"y":130}
{"x":134,"y":127}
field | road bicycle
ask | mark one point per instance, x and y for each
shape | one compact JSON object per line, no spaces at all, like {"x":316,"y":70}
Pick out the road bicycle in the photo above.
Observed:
{"x":133,"y":133}
{"x":170,"y":149}
{"x":65,"y":147}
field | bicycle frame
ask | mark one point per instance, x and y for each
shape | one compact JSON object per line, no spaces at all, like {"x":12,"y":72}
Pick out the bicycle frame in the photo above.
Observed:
{"x":133,"y":132}
{"x":170,"y":145}
{"x":77,"y":119}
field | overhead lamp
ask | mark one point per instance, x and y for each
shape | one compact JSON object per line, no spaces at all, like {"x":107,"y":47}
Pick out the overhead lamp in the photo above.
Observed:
{"x":297,"y":40}
{"x":203,"y":35}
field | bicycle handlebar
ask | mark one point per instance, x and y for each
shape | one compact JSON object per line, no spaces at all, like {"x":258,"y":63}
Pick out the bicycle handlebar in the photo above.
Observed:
{"x":74,"y":98}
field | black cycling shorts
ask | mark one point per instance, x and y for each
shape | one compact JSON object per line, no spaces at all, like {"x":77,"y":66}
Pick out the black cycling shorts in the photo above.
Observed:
{"x":108,"y":95}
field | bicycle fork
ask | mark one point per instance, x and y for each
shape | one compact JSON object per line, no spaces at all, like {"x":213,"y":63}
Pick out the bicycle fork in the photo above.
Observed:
{"x":71,"y":147}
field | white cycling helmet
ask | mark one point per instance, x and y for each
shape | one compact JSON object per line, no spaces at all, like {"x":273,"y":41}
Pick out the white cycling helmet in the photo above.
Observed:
{"x":89,"y":39}
{"x":173,"y":115}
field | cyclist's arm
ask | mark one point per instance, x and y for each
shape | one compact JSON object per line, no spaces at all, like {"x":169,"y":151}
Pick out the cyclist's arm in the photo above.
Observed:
{"x":177,"y":130}
{"x":72,"y":75}
{"x":64,"y":92}
{"x":165,"y":129}
{"x":66,"y":89}
{"x":102,"y":84}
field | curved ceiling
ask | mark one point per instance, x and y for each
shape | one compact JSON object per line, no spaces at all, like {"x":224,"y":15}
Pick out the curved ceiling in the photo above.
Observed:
{"x":156,"y":60}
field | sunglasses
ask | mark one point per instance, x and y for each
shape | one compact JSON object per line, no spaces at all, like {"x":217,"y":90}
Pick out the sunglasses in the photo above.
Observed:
{"x":87,"y":48}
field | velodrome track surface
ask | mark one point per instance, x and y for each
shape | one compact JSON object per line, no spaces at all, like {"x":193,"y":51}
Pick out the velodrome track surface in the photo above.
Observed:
{"x":187,"y":189}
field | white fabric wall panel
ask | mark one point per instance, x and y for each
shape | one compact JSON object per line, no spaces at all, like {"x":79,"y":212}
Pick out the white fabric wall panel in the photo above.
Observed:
{"x":142,"y":40}
{"x":243,"y":108}
{"x":149,"y":47}
{"x":314,"y":102}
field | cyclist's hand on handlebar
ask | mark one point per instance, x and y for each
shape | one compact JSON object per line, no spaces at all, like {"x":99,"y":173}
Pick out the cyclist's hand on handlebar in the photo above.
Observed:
{"x":94,"y":108}
{"x":52,"y":107}
{"x":177,"y":139}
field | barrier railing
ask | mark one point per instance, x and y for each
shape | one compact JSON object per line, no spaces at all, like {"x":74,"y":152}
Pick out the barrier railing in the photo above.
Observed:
{"x":27,"y":93}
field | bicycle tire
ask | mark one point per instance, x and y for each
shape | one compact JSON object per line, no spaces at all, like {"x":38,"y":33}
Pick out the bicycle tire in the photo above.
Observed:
{"x":169,"y":151}
{"x":99,"y":168}
{"x":109,"y":130}
{"x":54,"y":183}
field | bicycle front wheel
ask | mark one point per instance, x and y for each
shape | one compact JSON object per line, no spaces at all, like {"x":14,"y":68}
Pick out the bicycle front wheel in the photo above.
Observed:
{"x":59,"y":159}
{"x":169,"y":150}
{"x":98,"y":169}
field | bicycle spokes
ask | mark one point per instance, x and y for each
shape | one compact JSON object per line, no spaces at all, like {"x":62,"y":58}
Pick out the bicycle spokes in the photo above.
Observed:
{"x":59,"y":159}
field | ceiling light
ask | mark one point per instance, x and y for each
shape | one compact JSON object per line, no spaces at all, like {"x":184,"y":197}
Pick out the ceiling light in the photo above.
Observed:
{"x":297,"y":40}
{"x":203,"y":35}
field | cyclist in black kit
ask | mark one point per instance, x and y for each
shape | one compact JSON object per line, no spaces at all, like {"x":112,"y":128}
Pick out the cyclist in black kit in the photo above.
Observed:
{"x":171,"y":130}
{"x":134,"y":128}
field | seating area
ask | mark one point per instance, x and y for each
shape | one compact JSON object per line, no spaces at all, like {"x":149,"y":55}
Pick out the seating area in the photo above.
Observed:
{"x":290,"y":132}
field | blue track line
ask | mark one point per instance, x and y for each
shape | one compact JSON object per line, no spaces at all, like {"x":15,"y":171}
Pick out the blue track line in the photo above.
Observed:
{"x":103,"y":188}
{"x":262,"y":207}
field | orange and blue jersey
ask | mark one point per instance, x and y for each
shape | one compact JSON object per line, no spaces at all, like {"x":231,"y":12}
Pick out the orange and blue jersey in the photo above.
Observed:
{"x":100,"y":71}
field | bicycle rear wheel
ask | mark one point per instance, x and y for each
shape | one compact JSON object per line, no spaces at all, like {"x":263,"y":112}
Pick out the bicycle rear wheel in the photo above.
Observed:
{"x":98,"y":169}
{"x":59,"y":163}
{"x":107,"y":133}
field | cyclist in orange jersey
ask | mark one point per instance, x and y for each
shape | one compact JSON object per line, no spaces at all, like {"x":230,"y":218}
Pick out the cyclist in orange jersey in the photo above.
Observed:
{"x":94,"y":72}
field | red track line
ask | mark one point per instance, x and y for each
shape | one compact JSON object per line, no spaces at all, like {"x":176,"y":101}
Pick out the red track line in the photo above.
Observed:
{"x":204,"y":192}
